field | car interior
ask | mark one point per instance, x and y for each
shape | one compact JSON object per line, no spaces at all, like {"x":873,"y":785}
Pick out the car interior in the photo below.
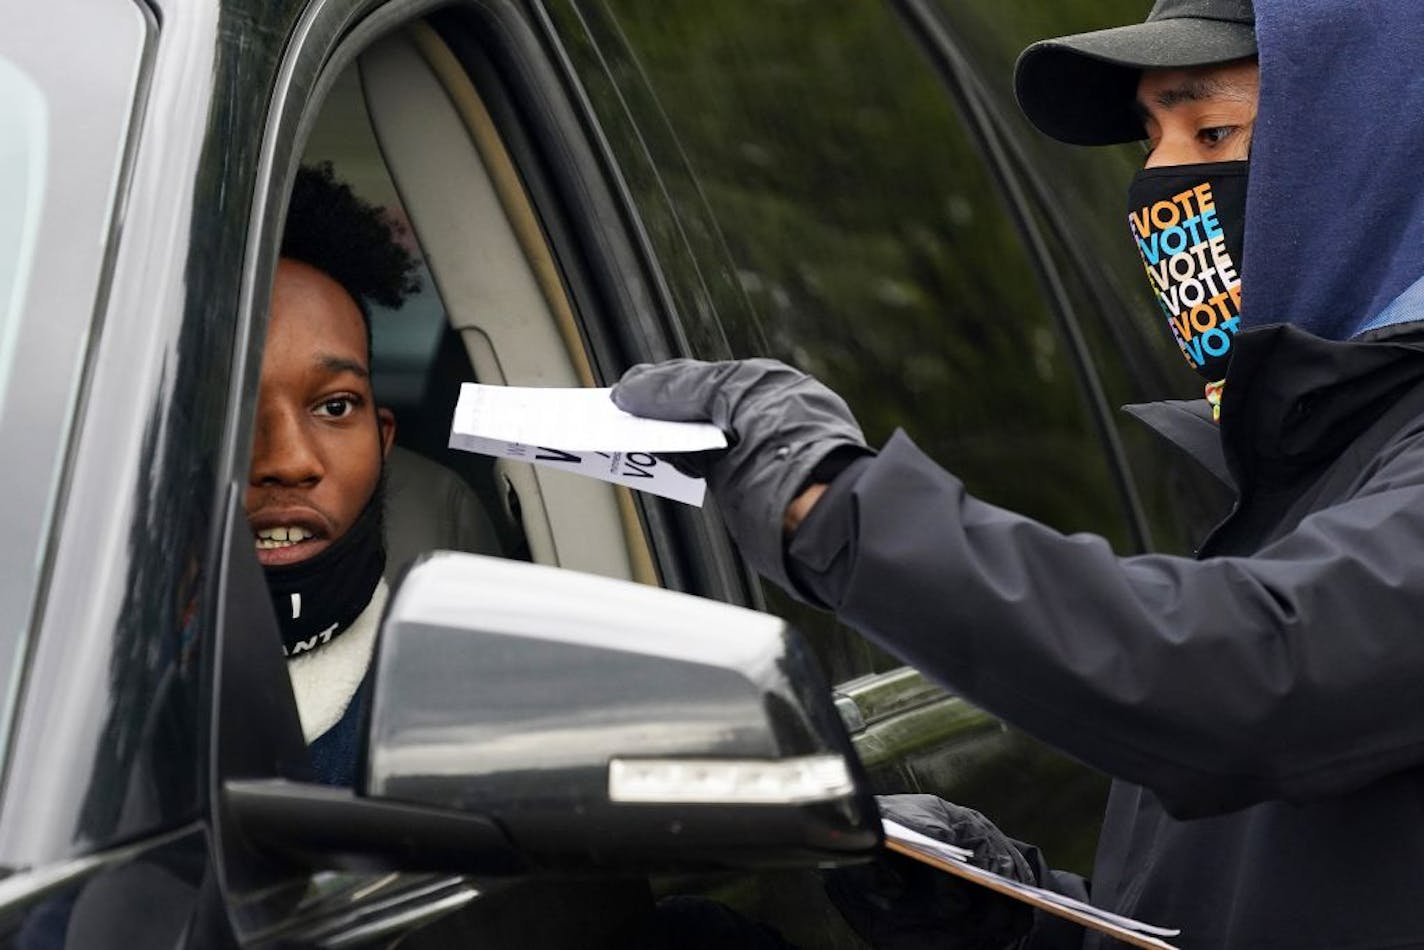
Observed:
{"x":406,"y":128}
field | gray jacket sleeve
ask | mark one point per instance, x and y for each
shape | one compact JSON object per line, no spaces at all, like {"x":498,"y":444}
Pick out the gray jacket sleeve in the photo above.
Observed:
{"x":1292,"y":674}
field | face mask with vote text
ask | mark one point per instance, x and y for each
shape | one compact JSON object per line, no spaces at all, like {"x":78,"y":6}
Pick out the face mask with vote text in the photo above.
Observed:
{"x":1189,"y":222}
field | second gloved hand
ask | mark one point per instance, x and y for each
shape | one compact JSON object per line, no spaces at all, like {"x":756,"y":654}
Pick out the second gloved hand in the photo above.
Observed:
{"x":897,"y":903}
{"x":780,"y":422}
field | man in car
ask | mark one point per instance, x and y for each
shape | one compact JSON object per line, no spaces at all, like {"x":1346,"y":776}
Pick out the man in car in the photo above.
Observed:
{"x":314,"y":495}
{"x":1256,"y":704}
{"x":315,"y":503}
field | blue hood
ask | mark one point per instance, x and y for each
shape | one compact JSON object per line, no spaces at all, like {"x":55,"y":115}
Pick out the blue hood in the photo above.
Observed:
{"x":1335,"y":208}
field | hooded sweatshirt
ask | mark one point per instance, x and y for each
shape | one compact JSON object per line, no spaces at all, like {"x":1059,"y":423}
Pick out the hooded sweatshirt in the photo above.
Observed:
{"x":1335,"y":209}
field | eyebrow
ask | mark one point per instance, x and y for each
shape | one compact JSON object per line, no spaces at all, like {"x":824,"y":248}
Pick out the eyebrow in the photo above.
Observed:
{"x":1195,"y":89}
{"x":342,"y":364}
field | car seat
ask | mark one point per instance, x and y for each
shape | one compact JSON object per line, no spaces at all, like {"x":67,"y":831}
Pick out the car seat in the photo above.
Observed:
{"x":430,"y":508}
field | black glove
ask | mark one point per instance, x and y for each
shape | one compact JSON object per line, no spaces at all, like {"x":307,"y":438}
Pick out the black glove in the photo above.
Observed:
{"x":898,"y":903}
{"x":780,"y":423}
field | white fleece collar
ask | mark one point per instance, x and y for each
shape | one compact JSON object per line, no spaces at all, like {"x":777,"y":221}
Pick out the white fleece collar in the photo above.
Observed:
{"x":325,"y":679}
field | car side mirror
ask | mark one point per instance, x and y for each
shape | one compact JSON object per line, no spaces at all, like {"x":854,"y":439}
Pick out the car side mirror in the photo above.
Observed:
{"x":525,"y":718}
{"x":605,"y":723}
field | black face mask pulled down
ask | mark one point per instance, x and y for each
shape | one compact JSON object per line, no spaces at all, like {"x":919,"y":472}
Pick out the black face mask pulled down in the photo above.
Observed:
{"x":316,"y":600}
{"x":1189,"y":222}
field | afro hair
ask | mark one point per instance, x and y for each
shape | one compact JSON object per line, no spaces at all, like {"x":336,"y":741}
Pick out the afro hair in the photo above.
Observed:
{"x":354,"y":242}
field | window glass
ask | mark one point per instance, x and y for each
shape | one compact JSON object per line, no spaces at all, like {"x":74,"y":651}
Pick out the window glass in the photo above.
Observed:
{"x":1080,"y":196}
{"x":66,"y":97}
{"x":809,"y":150}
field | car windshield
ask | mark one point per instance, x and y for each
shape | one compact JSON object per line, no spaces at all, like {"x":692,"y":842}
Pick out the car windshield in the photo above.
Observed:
{"x":66,"y":99}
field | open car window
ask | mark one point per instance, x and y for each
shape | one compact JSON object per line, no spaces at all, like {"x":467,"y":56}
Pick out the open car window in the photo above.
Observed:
{"x":407,"y":128}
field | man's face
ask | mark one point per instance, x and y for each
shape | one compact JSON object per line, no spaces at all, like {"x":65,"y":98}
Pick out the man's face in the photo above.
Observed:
{"x":1201,"y":114}
{"x":320,"y":440}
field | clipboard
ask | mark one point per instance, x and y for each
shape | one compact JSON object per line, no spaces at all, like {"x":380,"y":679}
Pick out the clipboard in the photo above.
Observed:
{"x":954,"y":861}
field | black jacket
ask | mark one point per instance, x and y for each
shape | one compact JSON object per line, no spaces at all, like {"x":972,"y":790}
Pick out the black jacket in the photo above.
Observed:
{"x":1261,"y":706}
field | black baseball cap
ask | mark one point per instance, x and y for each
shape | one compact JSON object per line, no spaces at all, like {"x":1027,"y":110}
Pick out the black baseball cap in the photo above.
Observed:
{"x":1081,"y":89}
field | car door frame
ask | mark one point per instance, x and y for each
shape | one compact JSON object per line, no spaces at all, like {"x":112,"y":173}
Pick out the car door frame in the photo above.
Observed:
{"x":574,"y":190}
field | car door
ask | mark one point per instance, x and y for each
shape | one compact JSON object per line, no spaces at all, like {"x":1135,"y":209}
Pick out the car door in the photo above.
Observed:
{"x":103,"y":557}
{"x":128,"y":174}
{"x":541,"y":273}
{"x":460,"y":124}
{"x":147,"y":603}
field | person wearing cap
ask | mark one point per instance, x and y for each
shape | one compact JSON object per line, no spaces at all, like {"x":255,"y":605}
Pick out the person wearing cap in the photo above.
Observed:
{"x":1255,"y":704}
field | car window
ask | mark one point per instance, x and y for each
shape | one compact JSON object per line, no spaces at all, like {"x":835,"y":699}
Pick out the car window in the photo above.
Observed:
{"x":61,"y":149}
{"x":407,"y":129}
{"x":814,"y":150}
{"x":509,"y":319}
{"x":1079,"y":198}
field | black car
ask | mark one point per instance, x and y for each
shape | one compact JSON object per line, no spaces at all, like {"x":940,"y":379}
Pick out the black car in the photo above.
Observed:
{"x":591,"y":183}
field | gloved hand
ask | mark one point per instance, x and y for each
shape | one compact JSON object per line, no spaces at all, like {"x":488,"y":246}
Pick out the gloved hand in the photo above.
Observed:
{"x":898,"y":903}
{"x":779,"y":422}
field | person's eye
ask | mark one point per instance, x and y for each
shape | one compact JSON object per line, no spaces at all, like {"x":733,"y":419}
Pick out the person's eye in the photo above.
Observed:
{"x":1215,"y":135}
{"x":336,"y":407}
